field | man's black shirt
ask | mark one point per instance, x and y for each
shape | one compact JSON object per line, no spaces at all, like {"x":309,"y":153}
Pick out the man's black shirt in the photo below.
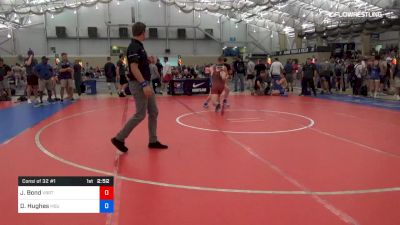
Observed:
{"x":137,"y":54}
{"x":309,"y":70}
{"x":260,"y":67}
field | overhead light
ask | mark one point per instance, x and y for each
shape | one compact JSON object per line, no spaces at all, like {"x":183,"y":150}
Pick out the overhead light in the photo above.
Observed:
{"x":41,"y":9}
{"x":283,"y":22}
{"x":199,"y":15}
{"x":29,"y":20}
{"x":75,"y":11}
{"x":236,"y":26}
{"x":138,"y":0}
{"x":218,"y":21}
{"x":52,"y":16}
{"x":267,"y":26}
{"x":159,"y":6}
{"x":254,"y":30}
{"x":179,"y":11}
{"x":117,"y":2}
{"x":9,"y":35}
{"x":272,"y":36}
{"x":304,"y":15}
{"x":97,"y":7}
{"x":304,"y":38}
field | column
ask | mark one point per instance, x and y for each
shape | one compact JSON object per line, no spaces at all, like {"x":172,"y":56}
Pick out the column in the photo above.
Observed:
{"x":365,"y":44}
{"x":282,"y":42}
{"x":298,"y":41}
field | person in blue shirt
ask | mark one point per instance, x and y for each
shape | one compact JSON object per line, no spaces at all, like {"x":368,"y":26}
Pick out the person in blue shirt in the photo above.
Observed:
{"x":45,"y":73}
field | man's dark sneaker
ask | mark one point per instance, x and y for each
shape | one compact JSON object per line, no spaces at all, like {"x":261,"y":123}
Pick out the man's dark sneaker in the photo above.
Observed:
{"x":217,"y":108}
{"x":120,"y":145}
{"x":157,"y":145}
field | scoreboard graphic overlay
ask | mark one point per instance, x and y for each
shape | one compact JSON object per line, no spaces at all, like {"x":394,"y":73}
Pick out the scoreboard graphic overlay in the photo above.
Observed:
{"x":65,"y":194}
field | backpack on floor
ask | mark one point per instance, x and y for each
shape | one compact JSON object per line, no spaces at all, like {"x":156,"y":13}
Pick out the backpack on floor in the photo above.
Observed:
{"x":83,"y":88}
{"x":128,"y":91}
{"x":364,"y":90}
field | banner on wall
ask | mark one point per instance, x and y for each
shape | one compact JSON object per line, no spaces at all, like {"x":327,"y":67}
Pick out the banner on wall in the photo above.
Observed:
{"x":189,"y":86}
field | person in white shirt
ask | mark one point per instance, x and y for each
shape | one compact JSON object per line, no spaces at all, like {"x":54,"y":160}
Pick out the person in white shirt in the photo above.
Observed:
{"x":358,"y":71}
{"x":250,"y":75}
{"x":167,"y":74}
{"x":276,"y":70}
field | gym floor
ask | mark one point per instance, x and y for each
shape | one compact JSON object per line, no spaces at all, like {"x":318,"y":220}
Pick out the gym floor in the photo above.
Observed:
{"x":266,"y":160}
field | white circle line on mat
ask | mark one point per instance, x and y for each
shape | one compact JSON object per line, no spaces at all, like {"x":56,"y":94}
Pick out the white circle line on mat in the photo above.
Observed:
{"x":190,"y":187}
{"x":310,"y":124}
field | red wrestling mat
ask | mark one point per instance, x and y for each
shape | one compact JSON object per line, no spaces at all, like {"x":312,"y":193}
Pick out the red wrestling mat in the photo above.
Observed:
{"x":267,"y":160}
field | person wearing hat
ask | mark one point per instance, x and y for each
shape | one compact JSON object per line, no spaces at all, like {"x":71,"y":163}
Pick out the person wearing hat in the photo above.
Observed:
{"x":45,"y":73}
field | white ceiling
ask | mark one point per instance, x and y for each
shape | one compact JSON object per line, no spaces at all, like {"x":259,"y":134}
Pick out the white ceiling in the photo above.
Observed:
{"x":278,"y":15}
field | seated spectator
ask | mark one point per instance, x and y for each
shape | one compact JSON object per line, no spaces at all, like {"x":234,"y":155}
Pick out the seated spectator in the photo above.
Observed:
{"x":261,"y":85}
{"x":280,"y":86}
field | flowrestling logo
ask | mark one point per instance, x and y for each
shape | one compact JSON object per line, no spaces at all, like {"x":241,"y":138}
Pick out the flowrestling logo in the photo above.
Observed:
{"x":358,"y":14}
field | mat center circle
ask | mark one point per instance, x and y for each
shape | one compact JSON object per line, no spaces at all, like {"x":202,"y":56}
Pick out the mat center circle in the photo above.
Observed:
{"x":246,"y":121}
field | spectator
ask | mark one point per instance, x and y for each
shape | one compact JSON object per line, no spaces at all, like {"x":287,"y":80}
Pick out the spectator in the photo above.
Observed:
{"x":239,"y":68}
{"x":276,"y":69}
{"x":250,"y":75}
{"x":121,"y":76}
{"x":18,"y":74}
{"x":358,"y":73}
{"x":45,"y":73}
{"x":307,"y":80}
{"x":396,"y":73}
{"x":325,"y":72}
{"x":65,"y":75}
{"x":167,"y":74}
{"x":375,"y":77}
{"x":261,"y":86}
{"x":5,"y":73}
{"x":111,"y":75}
{"x":155,"y":75}
{"x":260,"y":67}
{"x":289,"y":74}
{"x":31,"y":77}
{"x":78,"y":76}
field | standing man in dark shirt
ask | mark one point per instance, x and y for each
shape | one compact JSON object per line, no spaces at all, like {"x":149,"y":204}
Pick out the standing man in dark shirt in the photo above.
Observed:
{"x":240,"y":70}
{"x":78,"y":76}
{"x":45,"y":73}
{"x":309,"y":73}
{"x":111,"y":74}
{"x":66,"y":72}
{"x":121,"y":75}
{"x":31,"y":77}
{"x":139,"y":78}
{"x":159,"y":66}
{"x":260,"y":67}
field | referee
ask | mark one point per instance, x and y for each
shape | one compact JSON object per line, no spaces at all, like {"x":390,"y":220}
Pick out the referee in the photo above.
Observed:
{"x":139,"y":84}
